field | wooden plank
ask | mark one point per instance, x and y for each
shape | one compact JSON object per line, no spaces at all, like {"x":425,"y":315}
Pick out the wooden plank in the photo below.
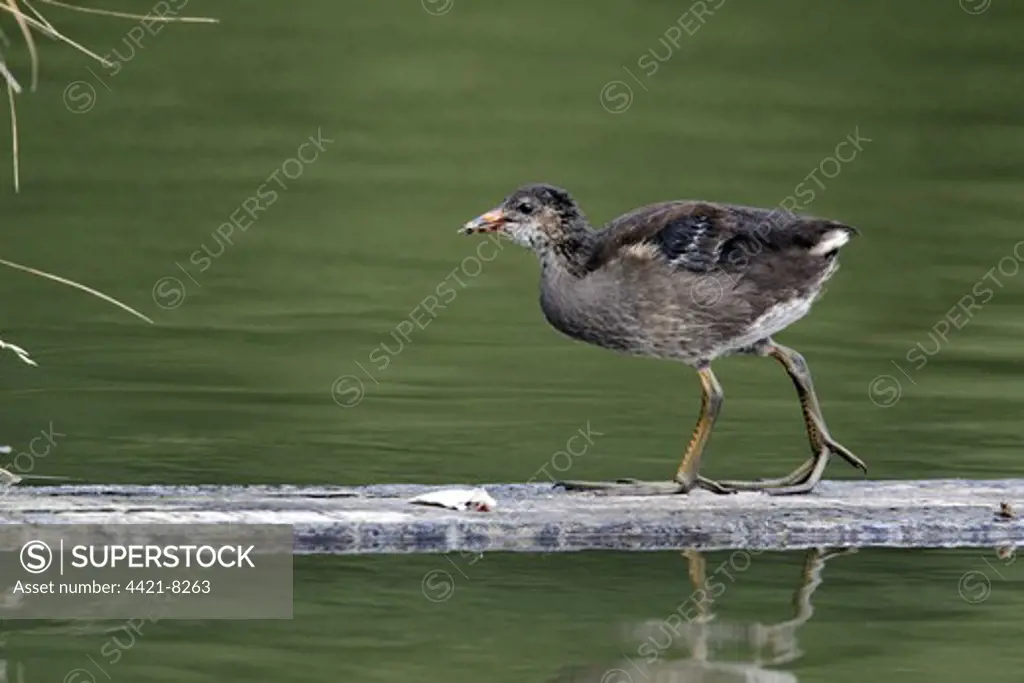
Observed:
{"x":536,"y":518}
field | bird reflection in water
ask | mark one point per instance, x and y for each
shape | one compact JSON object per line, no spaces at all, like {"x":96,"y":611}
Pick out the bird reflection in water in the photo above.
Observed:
{"x":703,"y":637}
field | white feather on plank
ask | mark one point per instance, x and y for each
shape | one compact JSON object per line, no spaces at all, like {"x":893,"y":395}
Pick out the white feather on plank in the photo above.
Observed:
{"x":477,"y":500}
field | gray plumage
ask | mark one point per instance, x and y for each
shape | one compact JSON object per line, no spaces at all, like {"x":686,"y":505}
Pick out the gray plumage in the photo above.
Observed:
{"x":682,"y":280}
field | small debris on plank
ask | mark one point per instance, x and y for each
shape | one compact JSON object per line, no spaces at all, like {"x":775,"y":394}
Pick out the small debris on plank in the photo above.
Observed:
{"x":476,"y":500}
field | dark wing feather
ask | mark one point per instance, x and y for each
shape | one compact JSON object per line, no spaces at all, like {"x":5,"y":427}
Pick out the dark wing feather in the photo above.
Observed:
{"x":703,"y":236}
{"x":690,"y":241}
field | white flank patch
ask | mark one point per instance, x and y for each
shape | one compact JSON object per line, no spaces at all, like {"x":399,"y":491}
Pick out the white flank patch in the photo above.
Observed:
{"x":831,"y":241}
{"x":477,"y":500}
{"x":775,"y":319}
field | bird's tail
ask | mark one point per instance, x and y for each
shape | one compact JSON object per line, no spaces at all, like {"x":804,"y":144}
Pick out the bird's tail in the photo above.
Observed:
{"x":834,"y":236}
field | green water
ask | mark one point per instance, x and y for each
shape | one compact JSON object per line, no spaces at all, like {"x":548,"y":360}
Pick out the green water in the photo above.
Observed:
{"x":892,"y":616}
{"x":426,"y":120}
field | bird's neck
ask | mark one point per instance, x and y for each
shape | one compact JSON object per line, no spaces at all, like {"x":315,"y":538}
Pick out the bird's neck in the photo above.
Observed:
{"x":571,"y":253}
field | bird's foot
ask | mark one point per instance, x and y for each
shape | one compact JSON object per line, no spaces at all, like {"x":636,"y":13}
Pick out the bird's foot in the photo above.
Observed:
{"x":635,"y":487}
{"x":623,"y":487}
{"x":836,"y":448}
{"x":713,"y":486}
{"x":824,"y":555}
{"x":804,"y":478}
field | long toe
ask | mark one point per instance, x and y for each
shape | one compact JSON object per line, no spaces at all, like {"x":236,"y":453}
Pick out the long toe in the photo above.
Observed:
{"x":713,"y":486}
{"x":826,"y":555}
{"x":584,"y":485}
{"x":843,"y":452}
{"x":593,"y":485}
{"x":808,"y":479}
{"x":632,"y":487}
{"x":795,"y":490}
{"x":794,"y":477}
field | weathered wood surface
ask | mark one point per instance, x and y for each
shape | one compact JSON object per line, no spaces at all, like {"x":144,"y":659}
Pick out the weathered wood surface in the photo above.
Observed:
{"x":536,"y":518}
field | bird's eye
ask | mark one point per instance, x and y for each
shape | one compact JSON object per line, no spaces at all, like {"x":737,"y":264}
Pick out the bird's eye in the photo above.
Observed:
{"x":525,"y":208}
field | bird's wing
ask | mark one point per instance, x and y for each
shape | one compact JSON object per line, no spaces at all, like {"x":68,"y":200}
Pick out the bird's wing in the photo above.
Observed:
{"x":703,"y":236}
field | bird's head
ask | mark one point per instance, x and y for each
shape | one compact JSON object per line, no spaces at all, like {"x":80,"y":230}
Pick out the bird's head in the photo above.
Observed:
{"x":541,"y":218}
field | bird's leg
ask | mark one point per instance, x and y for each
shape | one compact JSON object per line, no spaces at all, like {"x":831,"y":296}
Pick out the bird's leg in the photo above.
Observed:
{"x":687,"y":477}
{"x":782,"y":635}
{"x":697,"y":569}
{"x":822,"y":443}
{"x":817,"y":432}
{"x":805,"y":477}
{"x":710,"y":406}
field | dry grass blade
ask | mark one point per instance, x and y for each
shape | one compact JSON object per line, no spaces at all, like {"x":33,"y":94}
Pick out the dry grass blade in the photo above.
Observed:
{"x":37,"y":21}
{"x":51,"y":32}
{"x":14,"y":138}
{"x":30,"y":42}
{"x":128,"y":15}
{"x":21,"y":353}
{"x":9,"y":78}
{"x":76,"y":285}
{"x":48,"y":29}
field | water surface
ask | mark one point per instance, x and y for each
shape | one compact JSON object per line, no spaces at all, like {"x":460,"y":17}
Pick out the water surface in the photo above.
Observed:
{"x":425,"y":120}
{"x":928,"y":616}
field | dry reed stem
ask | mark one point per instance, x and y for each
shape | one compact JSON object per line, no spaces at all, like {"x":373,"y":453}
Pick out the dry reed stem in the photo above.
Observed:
{"x":14,"y":138}
{"x":42,"y":19}
{"x":128,"y":15}
{"x":42,"y":25}
{"x":76,"y":285}
{"x":29,"y":40}
{"x":21,"y":353}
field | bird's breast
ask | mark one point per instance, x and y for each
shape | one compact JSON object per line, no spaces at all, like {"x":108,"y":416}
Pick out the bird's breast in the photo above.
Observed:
{"x":601,"y":311}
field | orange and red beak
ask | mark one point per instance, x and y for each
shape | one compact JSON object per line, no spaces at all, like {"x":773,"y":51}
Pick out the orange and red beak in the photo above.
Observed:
{"x":488,"y":222}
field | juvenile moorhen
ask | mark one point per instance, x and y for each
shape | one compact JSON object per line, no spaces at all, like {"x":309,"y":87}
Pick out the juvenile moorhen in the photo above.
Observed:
{"x":689,"y":281}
